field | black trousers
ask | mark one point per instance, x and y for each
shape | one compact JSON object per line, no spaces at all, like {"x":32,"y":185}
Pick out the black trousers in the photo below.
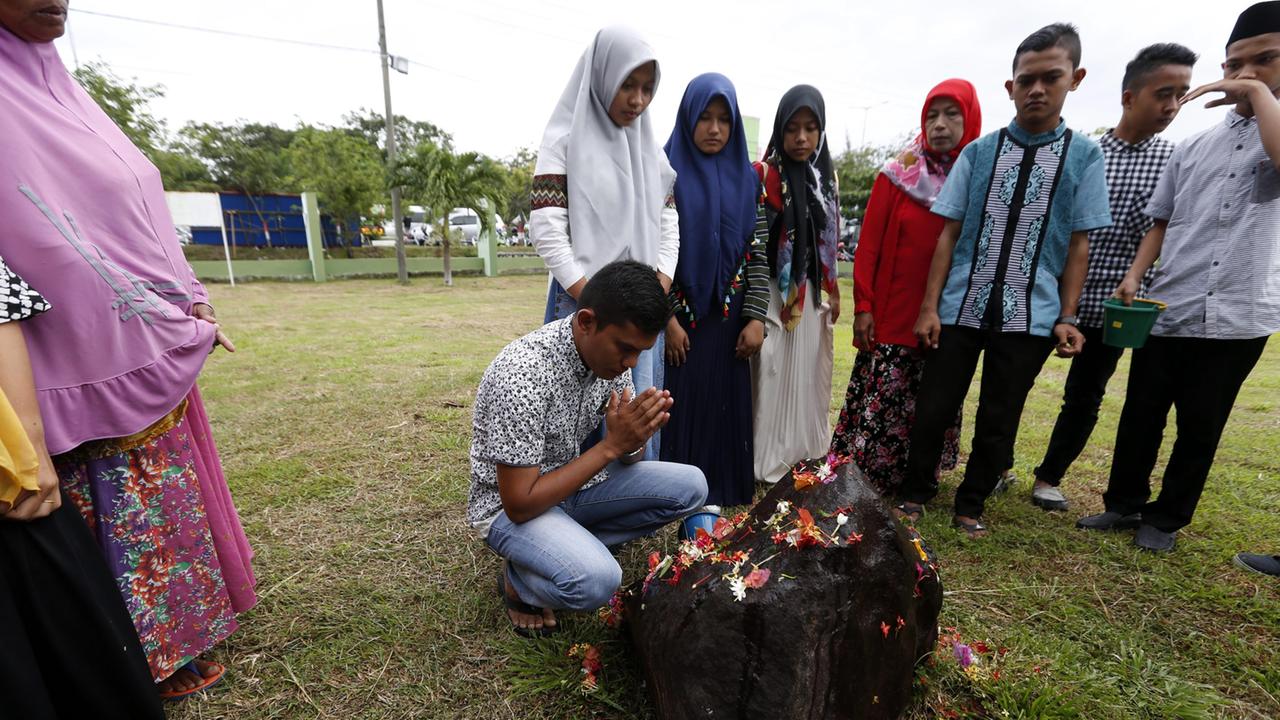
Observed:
{"x":1086,"y":386}
{"x":68,"y":649}
{"x":1010,"y":363}
{"x":1200,"y":378}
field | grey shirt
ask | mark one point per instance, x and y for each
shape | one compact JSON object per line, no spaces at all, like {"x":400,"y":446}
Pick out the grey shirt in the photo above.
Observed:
{"x":535,"y":406}
{"x":1219,"y":268}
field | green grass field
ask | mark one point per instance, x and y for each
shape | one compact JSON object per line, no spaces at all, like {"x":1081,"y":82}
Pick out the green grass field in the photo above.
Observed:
{"x":344,"y":423}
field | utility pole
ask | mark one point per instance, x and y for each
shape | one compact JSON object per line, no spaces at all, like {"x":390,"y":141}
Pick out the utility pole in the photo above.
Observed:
{"x":866,"y":111}
{"x":402,"y":270}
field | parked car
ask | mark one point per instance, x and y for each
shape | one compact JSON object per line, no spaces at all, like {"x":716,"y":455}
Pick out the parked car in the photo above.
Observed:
{"x":467,"y":222}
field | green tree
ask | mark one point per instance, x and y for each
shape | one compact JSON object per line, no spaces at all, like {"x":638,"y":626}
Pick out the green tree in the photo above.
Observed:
{"x":371,"y":125}
{"x":343,"y":170}
{"x":250,"y":157}
{"x":129,"y":107}
{"x":437,"y":178}
{"x":182,"y":169}
{"x":519,"y":182}
{"x":126,"y":103}
{"x":857,"y":169}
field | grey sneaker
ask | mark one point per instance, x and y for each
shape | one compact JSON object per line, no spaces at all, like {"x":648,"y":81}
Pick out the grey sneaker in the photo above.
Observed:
{"x":1154,"y":539}
{"x":1048,"y":498}
{"x":1109,"y":521}
{"x":1265,"y":564}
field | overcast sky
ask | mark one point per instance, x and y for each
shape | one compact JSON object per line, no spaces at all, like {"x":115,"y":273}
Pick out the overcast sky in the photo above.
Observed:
{"x":490,"y":71}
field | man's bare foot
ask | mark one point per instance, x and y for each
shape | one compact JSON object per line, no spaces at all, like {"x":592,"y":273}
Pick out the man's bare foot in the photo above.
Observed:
{"x":183,"y":680}
{"x":532,"y":622}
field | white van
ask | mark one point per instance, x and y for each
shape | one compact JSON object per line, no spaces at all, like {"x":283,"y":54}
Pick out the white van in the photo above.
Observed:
{"x":466,"y":222}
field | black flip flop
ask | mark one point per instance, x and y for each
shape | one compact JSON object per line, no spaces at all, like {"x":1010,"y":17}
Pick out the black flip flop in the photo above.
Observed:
{"x":911,"y":512}
{"x":970,"y":528}
{"x":521,"y":607}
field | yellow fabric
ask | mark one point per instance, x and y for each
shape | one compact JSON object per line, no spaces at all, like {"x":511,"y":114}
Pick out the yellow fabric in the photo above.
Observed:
{"x":18,"y":460}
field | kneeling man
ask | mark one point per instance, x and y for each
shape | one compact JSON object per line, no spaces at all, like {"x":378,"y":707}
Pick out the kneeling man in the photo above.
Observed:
{"x":549,"y":507}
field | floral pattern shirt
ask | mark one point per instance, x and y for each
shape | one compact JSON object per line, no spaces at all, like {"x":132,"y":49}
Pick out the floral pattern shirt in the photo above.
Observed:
{"x":17,"y":300}
{"x":535,"y":406}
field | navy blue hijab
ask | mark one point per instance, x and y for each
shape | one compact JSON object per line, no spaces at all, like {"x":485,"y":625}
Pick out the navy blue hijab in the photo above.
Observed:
{"x":716,"y":197}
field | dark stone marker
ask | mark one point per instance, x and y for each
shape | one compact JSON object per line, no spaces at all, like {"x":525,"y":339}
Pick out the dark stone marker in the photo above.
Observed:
{"x":834,"y":632}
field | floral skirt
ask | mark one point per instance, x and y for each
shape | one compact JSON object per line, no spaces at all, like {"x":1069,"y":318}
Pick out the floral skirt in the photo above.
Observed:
{"x":879,"y":408}
{"x":142,"y":498}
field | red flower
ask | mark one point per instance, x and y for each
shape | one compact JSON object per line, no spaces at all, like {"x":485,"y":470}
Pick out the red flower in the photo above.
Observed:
{"x":756,"y":578}
{"x":884,"y":629}
{"x":805,"y":479}
{"x":722,"y":529}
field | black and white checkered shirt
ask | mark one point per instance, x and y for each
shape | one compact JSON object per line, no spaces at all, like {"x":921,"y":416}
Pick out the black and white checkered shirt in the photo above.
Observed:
{"x":1132,"y":173}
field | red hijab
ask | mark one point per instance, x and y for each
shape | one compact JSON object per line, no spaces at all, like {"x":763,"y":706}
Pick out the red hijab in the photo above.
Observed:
{"x":918,"y":171}
{"x":899,"y":232}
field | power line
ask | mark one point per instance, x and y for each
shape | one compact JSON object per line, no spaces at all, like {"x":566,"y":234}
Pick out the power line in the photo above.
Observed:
{"x":228,"y":33}
{"x":264,"y":38}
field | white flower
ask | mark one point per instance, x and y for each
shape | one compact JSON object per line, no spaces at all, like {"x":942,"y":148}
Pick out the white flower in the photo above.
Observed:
{"x":784,"y":507}
{"x":738,"y":587}
{"x":841,"y":519}
{"x":824,"y":471}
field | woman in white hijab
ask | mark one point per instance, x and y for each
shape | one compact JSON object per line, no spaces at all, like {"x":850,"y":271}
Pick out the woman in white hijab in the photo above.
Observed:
{"x":602,"y":185}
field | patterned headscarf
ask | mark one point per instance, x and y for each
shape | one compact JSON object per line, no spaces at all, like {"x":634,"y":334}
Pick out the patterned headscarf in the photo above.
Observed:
{"x":801,"y":198}
{"x":920,"y":172}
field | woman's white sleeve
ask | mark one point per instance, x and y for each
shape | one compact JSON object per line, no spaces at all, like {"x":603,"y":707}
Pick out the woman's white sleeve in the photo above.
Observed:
{"x":549,"y":228}
{"x":669,"y":247}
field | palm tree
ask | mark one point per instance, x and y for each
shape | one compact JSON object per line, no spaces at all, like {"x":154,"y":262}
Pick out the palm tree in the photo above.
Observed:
{"x":438,"y":179}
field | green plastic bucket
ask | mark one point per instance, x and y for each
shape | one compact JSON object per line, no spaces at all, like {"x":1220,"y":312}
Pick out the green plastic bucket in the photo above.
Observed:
{"x":1127,"y":326}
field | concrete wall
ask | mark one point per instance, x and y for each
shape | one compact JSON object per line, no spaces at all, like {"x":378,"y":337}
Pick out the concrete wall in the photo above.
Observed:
{"x":216,"y":270}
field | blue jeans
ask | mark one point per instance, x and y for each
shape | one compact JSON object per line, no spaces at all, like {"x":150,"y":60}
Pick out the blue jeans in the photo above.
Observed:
{"x":648,"y":372}
{"x":561,"y":558}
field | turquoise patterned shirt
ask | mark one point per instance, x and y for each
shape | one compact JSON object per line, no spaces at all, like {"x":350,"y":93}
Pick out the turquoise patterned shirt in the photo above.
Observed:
{"x":1020,"y":196}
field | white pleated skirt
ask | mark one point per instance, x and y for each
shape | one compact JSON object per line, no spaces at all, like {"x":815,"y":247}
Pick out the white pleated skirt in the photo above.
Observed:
{"x":791,"y":388}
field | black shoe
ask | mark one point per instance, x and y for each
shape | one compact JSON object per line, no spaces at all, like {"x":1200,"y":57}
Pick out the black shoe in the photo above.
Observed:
{"x":1048,"y":498}
{"x":1265,"y":564}
{"x":1109,"y":521}
{"x":1154,"y":539}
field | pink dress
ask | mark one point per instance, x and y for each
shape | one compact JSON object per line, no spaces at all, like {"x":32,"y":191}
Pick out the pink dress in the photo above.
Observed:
{"x":83,"y":218}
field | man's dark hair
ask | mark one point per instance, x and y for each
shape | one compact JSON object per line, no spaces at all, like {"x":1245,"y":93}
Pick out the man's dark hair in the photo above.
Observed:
{"x":627,"y":291}
{"x":1151,"y":58}
{"x":1063,"y":35}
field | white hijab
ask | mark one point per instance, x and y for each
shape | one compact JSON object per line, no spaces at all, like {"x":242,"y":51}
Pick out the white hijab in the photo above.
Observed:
{"x":618,"y":178}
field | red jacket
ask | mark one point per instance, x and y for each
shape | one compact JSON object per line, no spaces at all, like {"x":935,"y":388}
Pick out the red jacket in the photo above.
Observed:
{"x":891,"y":264}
